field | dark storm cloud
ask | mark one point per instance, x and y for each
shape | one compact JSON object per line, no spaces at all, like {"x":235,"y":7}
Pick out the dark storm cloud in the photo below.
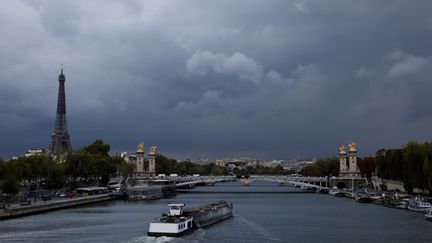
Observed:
{"x":268,"y":79}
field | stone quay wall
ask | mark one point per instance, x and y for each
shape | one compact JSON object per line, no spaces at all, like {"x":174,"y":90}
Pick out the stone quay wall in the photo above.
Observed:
{"x":40,"y":207}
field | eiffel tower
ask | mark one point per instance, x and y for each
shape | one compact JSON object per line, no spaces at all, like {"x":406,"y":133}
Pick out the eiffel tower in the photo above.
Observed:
{"x":60,"y":142}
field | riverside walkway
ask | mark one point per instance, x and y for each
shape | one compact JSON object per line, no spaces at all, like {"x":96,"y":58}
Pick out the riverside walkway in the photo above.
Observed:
{"x":17,"y":210}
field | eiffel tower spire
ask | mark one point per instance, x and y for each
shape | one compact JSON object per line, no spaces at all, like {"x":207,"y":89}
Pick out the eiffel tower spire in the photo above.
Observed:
{"x":60,"y":142}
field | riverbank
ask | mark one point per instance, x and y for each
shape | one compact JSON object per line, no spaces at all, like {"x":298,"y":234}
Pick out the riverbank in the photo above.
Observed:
{"x":18,"y":210}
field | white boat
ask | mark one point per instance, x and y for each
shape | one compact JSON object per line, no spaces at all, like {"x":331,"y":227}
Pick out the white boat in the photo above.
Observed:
{"x":116,"y":183}
{"x":116,"y":186}
{"x":306,"y":189}
{"x":418,"y":204}
{"x":428,"y":215}
{"x":362,"y":197}
{"x":336,"y":192}
{"x":174,"y":224}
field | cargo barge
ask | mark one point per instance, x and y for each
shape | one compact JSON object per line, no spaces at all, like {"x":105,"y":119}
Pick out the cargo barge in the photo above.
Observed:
{"x":180,"y":222}
{"x":209,"y":214}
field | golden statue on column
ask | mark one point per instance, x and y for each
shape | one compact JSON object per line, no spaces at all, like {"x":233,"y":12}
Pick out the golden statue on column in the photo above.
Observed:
{"x":141,"y":146}
{"x":342,"y":149}
{"x":352,"y":147}
{"x":152,"y":150}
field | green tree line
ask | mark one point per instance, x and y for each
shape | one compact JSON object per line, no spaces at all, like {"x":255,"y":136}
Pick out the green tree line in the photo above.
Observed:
{"x":330,"y":167}
{"x":411,"y":164}
{"x":165,"y":165}
{"x":322,"y":167}
{"x":262,"y":170}
{"x":90,"y":165}
{"x":30,"y":170}
{"x":93,"y":165}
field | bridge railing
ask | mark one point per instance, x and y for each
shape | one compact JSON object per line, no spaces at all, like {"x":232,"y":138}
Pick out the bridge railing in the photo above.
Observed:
{"x":285,"y":178}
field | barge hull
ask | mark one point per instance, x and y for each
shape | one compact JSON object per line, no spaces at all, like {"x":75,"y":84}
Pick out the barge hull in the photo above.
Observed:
{"x":210,"y":214}
{"x":207,"y":221}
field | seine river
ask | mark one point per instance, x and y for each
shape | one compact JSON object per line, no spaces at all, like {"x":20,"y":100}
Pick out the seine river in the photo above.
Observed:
{"x":263,"y":212}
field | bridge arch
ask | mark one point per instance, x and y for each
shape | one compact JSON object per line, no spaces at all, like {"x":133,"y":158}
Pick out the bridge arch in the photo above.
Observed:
{"x":341,"y":185}
{"x":313,"y":182}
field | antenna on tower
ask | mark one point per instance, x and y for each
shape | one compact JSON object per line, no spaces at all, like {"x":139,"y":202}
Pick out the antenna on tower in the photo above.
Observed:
{"x":62,"y":68}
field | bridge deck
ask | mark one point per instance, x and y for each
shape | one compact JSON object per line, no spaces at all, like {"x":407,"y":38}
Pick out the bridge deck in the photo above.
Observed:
{"x":309,"y":182}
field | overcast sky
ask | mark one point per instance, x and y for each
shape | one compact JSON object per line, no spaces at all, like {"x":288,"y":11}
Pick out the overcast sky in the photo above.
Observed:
{"x":266,"y":79}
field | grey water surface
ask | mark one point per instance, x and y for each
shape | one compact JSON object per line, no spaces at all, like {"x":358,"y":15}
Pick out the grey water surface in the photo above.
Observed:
{"x":263,"y":212}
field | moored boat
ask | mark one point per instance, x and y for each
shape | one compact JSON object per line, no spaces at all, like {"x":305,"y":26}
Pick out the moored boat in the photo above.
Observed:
{"x":148,"y":189}
{"x":304,"y":188}
{"x":117,"y":187}
{"x":336,"y":192}
{"x":418,"y":204}
{"x":323,"y":190}
{"x":349,"y":194}
{"x":376,"y":197}
{"x":428,"y":215}
{"x":362,"y":197}
{"x":395,"y":202}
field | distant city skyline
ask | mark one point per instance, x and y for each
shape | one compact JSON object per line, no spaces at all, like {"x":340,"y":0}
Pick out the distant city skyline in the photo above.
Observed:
{"x":272,"y":80}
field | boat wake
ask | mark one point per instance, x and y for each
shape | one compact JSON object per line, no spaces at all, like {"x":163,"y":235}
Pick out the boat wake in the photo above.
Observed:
{"x":198,"y":236}
{"x":261,"y":231}
{"x":150,"y":239}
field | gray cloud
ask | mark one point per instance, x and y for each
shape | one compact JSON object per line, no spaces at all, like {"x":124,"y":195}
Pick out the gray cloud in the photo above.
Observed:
{"x":273,"y":80}
{"x":238,"y":64}
{"x":406,"y":64}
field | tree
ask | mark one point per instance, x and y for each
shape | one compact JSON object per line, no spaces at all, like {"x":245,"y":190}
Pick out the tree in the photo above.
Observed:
{"x":198,"y":169}
{"x":427,"y":170}
{"x":413,"y":157}
{"x":184,"y":168}
{"x":217,"y":170}
{"x":278,"y":170}
{"x":411,"y":164}
{"x":92,"y":164}
{"x":380,"y":160}
{"x":367,"y":166}
{"x":98,"y":148}
{"x":323,"y":167}
{"x":394,"y":163}
{"x":2,"y":170}
{"x":309,"y":170}
{"x":123,"y":168}
{"x":10,"y":186}
{"x":165,"y":165}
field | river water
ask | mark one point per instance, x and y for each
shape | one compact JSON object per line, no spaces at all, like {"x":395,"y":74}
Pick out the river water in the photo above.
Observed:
{"x":263,"y":212}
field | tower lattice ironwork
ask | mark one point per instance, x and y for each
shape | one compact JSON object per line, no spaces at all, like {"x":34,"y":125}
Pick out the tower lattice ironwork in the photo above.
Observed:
{"x":60,"y":142}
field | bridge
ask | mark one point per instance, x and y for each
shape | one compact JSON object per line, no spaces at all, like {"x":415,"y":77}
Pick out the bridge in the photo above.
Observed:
{"x":281,"y":180}
{"x":183,"y":181}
